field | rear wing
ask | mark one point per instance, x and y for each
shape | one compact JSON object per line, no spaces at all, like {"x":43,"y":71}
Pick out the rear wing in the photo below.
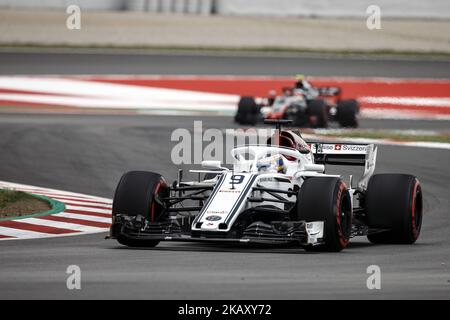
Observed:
{"x":340,"y":153}
{"x":329,"y":91}
{"x":347,"y":154}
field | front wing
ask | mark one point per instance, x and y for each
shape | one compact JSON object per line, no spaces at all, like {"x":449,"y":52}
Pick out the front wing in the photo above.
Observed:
{"x":278,"y":232}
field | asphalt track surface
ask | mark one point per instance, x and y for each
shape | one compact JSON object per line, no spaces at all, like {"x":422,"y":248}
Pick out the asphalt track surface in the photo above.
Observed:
{"x":89,"y":154}
{"x":229,"y":64}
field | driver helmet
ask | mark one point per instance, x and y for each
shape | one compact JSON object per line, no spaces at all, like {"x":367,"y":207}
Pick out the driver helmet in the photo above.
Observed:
{"x":299,"y":78}
{"x":271,"y":164}
{"x":272,"y":95}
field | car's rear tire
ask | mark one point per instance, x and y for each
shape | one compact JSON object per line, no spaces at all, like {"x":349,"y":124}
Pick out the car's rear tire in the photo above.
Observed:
{"x":136,"y":194}
{"x":347,"y":113}
{"x":248,"y":111}
{"x":317,"y":113}
{"x":327,"y":199}
{"x":394,"y":202}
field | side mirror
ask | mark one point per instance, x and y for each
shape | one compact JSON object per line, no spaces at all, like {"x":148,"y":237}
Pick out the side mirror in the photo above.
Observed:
{"x":211,"y":164}
{"x":315,"y":168}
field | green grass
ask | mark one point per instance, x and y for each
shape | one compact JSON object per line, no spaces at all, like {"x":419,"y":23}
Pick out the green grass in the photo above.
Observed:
{"x":14,"y":204}
{"x":9,"y":196}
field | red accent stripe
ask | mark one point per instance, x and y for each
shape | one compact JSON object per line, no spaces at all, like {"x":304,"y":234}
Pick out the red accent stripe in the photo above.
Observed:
{"x":88,"y":206}
{"x":352,"y":88}
{"x":34,"y":227}
{"x":77,"y":221}
{"x":88,"y":213}
{"x":259,"y":86}
{"x":5,"y":237}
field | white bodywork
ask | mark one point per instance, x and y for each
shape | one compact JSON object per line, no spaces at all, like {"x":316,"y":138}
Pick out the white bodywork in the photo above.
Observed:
{"x":233,"y":187}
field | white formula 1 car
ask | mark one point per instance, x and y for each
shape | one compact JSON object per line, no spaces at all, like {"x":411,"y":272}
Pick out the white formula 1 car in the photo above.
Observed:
{"x":277,"y":193}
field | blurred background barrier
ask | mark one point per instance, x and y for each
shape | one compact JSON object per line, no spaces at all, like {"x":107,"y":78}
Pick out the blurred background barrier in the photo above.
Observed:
{"x":423,"y":9}
{"x":60,"y":4}
{"x":336,"y":8}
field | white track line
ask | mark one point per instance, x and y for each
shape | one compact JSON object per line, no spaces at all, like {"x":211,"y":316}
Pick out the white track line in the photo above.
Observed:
{"x":63,"y":198}
{"x":83,"y":217}
{"x":17,"y":233}
{"x":113,"y":103}
{"x":81,"y":93}
{"x":80,"y":208}
{"x":65,"y":86}
{"x":409,"y":101}
{"x":386,"y":113}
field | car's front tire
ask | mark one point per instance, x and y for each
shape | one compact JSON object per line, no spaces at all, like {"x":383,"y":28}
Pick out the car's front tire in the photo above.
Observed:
{"x":347,"y":113}
{"x":394,"y":202}
{"x":327,"y":199}
{"x":137,"y":194}
{"x":248,"y":111}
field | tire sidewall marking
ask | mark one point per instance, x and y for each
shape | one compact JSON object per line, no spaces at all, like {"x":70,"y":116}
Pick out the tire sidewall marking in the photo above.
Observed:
{"x":415,"y":231}
{"x":342,"y":241}
{"x":161,"y":183}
